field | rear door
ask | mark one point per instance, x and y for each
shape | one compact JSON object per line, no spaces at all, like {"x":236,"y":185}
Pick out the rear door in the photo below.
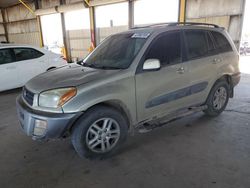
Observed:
{"x":224,"y":48}
{"x":162,"y":91}
{"x":30,"y":63}
{"x":8,"y":68}
{"x":201,"y":58}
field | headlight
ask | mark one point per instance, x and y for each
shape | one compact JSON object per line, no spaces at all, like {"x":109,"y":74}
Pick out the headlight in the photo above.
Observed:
{"x":56,"y":98}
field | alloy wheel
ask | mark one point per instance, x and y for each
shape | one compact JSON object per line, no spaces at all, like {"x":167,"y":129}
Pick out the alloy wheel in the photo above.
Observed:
{"x":220,"y":97}
{"x":103,"y":135}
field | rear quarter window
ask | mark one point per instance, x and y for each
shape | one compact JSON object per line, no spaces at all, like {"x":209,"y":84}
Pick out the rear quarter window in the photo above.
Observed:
{"x":26,"y":54}
{"x":221,"y":42}
{"x":5,"y":56}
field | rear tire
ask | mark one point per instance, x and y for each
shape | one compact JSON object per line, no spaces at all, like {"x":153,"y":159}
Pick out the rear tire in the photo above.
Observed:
{"x":217,"y":99}
{"x":99,"y":132}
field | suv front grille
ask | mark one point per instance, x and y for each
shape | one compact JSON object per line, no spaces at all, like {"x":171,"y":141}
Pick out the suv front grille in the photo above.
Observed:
{"x":28,"y":96}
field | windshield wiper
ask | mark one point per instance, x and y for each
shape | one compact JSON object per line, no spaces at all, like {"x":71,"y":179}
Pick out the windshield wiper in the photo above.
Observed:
{"x":98,"y":66}
{"x":88,"y":65}
{"x":107,"y":67}
{"x":80,"y":62}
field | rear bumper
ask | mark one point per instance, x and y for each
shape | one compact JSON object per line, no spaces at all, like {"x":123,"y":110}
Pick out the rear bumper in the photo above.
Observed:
{"x":236,"y":78}
{"x":57,"y":123}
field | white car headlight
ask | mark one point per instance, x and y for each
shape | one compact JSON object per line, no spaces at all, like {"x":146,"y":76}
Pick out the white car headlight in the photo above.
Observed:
{"x":56,"y":97}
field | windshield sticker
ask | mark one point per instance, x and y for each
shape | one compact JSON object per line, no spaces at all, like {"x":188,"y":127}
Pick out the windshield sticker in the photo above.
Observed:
{"x":140,"y":35}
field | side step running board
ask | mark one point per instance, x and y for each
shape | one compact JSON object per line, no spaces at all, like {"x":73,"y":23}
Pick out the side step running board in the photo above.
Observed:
{"x":149,"y":126}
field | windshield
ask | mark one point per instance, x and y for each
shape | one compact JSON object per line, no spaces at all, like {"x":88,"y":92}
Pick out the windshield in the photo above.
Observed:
{"x":116,"y":52}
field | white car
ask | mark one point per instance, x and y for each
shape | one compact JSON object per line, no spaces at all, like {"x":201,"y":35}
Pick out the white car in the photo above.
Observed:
{"x":20,"y":63}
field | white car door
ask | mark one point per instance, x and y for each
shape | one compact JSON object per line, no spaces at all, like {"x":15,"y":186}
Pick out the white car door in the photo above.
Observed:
{"x":31,"y":62}
{"x":8,"y":69}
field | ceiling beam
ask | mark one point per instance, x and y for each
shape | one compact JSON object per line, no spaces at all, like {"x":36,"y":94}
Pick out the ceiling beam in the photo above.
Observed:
{"x":93,"y":3}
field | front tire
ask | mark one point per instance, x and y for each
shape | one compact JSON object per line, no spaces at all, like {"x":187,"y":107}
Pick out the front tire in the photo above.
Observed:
{"x":99,"y":132}
{"x":217,"y":99}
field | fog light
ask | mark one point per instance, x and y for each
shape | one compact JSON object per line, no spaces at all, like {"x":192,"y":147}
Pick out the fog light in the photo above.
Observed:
{"x":40,"y":127}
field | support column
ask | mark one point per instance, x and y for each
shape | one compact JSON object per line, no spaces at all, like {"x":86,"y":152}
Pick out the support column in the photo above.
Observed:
{"x":182,"y":10}
{"x":130,"y":14}
{"x":38,"y":18}
{"x":5,"y":25}
{"x":65,"y":49}
{"x":92,"y":27}
{"x":40,"y":31}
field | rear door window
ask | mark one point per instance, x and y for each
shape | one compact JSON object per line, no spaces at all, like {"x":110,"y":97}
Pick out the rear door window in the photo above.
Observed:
{"x":6,"y":56}
{"x":198,"y":44}
{"x":222,"y":44}
{"x":26,"y":54}
{"x":166,"y":48}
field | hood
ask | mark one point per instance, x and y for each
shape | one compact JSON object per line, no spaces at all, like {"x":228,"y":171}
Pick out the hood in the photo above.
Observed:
{"x":66,"y":76}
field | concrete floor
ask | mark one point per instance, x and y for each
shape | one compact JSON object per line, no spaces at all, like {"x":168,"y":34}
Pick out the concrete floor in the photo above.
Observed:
{"x":192,"y":152}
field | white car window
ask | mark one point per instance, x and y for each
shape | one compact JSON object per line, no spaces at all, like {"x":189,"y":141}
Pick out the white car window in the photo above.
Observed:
{"x":26,"y":54}
{"x":5,"y":56}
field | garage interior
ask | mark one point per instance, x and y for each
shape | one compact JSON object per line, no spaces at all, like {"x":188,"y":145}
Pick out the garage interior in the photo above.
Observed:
{"x":195,"y":151}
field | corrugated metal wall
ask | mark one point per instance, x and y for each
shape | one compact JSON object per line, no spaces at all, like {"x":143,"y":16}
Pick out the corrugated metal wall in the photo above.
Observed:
{"x":49,"y":3}
{"x":79,"y":42}
{"x":1,"y":29}
{"x":31,"y":38}
{"x":1,"y":18}
{"x":102,"y":33}
{"x":22,"y":25}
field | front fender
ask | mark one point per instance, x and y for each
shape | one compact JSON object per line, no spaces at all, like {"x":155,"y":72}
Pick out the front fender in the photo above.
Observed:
{"x":122,"y":91}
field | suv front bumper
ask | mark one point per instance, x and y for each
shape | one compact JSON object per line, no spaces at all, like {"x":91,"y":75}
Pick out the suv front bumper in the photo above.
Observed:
{"x":43,"y":125}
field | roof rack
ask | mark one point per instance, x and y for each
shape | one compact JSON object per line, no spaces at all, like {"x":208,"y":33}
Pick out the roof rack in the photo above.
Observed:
{"x":193,"y":23}
{"x":177,"y":23}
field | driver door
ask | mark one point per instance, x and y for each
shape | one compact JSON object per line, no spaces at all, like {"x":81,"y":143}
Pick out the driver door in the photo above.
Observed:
{"x":159,"y":92}
{"x":9,"y":72}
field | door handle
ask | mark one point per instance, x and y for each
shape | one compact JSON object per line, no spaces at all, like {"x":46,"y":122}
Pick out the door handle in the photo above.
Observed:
{"x":216,"y":60}
{"x":180,"y":70}
{"x":11,"y":67}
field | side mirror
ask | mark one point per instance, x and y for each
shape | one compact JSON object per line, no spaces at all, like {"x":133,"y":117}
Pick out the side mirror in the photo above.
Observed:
{"x":152,"y":64}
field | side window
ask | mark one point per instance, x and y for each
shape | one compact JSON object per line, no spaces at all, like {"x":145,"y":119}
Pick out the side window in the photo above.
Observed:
{"x":221,"y":42}
{"x":35,"y":53}
{"x":211,"y":47}
{"x":197,"y":46}
{"x":166,"y":48}
{"x":26,"y":53}
{"x":5,"y":56}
